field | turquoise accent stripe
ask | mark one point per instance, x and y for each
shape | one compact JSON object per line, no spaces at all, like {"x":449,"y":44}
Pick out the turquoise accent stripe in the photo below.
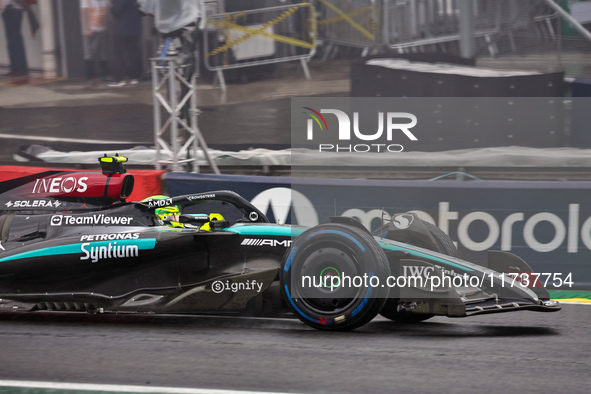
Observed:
{"x":287,"y":231}
{"x":52,"y":251}
{"x":142,"y":244}
{"x":424,"y":255}
{"x":281,"y":231}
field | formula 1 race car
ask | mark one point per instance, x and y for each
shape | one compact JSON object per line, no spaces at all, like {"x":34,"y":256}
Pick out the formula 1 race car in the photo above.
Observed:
{"x":69,"y":241}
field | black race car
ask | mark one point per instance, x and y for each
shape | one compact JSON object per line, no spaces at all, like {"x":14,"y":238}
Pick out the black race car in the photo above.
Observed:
{"x":69,"y":241}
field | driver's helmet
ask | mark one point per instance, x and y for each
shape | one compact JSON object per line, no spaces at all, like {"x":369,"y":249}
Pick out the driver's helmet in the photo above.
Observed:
{"x":212,"y":217}
{"x":168,"y":215}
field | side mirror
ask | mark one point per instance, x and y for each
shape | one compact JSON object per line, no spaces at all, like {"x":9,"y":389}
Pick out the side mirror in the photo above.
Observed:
{"x":219,"y":224}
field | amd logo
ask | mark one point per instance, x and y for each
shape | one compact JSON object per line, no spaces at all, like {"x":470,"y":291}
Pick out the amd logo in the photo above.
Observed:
{"x":266,"y":242}
{"x":160,"y":203}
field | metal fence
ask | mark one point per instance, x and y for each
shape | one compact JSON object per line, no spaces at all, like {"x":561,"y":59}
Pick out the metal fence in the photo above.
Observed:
{"x":420,"y":23}
{"x":353,"y":23}
{"x":429,"y":24}
{"x":532,"y":34}
{"x":214,"y":7}
{"x":261,"y":36}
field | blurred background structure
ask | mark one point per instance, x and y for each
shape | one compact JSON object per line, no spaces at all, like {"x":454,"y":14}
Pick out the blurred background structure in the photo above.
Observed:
{"x":252,"y":56}
{"x":528,"y":34}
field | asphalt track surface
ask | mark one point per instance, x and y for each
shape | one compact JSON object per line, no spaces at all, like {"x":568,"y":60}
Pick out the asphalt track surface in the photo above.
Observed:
{"x":521,"y":351}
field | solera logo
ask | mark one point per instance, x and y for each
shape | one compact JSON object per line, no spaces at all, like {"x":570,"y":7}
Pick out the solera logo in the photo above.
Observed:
{"x":391,"y":119}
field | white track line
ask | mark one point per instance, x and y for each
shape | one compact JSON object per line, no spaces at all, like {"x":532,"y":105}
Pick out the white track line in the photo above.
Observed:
{"x":56,"y":139}
{"x":117,"y":388}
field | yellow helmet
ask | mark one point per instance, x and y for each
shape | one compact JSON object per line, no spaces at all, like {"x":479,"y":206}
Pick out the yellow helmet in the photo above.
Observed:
{"x":212,"y":217}
{"x":169,"y":216}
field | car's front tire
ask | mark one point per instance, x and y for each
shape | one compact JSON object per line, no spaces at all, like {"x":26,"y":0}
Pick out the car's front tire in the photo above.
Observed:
{"x":331,"y":250}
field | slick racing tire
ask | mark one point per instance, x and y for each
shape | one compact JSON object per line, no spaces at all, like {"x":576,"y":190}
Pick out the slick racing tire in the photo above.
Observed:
{"x":326,"y":251}
{"x":444,"y":246}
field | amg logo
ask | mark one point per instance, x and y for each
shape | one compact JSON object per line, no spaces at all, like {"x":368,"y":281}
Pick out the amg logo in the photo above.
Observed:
{"x":266,"y":242}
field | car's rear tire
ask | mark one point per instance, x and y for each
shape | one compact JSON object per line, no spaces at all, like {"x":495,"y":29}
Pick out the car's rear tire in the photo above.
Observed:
{"x":445,"y":246}
{"x":338,"y":250}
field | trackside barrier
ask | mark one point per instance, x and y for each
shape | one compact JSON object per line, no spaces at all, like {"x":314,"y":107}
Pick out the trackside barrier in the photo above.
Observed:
{"x":538,"y":221}
{"x":257,"y":37}
{"x":418,"y":23}
{"x":214,"y":7}
{"x":351,"y":23}
{"x":415,"y":25}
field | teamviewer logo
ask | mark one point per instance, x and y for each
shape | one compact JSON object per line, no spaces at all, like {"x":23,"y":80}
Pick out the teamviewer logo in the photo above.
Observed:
{"x":390,"y":124}
{"x":56,"y":220}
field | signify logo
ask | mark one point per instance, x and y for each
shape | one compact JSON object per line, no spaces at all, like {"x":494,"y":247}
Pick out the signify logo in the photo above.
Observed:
{"x":392,"y":124}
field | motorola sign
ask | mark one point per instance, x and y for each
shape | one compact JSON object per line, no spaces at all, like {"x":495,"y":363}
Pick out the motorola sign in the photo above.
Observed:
{"x":281,"y":201}
{"x":540,"y":222}
{"x":573,"y":233}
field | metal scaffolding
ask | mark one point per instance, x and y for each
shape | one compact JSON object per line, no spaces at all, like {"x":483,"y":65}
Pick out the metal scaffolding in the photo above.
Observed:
{"x":178,"y":136}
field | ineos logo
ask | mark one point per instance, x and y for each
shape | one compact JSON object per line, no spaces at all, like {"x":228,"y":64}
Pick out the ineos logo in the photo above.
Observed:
{"x":60,"y":185}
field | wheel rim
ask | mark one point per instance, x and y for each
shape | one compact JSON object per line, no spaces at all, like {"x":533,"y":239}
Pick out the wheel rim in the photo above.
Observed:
{"x":326,"y":265}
